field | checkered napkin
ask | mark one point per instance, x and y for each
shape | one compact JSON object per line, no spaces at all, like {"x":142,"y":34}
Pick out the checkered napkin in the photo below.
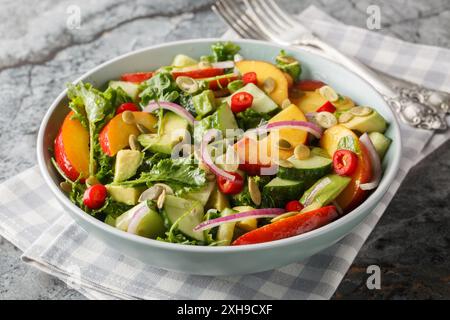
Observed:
{"x":31,"y":218}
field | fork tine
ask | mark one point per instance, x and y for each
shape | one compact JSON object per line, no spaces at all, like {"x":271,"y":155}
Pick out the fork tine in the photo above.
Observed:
{"x":242,"y":19}
{"x":261,"y":24}
{"x":220,"y":11}
{"x":271,"y":20}
{"x":280,"y":12}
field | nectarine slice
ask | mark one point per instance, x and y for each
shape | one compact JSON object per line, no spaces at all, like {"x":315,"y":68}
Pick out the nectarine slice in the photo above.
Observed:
{"x":263,"y":71}
{"x":71,"y":149}
{"x":115,"y":135}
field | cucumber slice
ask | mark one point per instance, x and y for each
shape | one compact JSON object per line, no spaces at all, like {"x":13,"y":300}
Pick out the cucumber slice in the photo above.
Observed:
{"x":308,"y":171}
{"x":186,"y":213}
{"x":262,"y":103}
{"x":333,"y":187}
{"x":280,"y":191}
{"x":380,"y":142}
{"x":131,"y":89}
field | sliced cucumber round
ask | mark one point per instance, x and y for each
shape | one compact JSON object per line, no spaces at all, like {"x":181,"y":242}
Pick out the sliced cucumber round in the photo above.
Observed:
{"x":307,"y":170}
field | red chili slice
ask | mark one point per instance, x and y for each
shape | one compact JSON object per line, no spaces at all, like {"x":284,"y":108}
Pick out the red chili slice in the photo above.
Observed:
{"x":345,"y":162}
{"x":136,"y":77}
{"x":327,"y":106}
{"x":250,"y":77}
{"x":241,"y":101}
{"x":230,"y":187}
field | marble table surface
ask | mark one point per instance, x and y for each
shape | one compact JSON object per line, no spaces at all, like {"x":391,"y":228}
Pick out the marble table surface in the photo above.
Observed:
{"x":39,"y":54}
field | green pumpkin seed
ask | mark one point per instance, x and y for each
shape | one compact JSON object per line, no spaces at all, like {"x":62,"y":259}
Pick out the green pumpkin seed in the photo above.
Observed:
{"x":128,"y":117}
{"x":66,"y":186}
{"x":143,"y":129}
{"x":161,"y":199}
{"x":133,"y":142}
{"x":328,"y":93}
{"x":151,"y":193}
{"x":361,"y":111}
{"x":325,"y":119}
{"x":283,"y":144}
{"x":269,"y":85}
{"x":302,"y":152}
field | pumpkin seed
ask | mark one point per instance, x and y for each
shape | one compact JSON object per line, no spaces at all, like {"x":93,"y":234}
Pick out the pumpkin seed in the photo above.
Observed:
{"x":128,"y":117}
{"x":345,"y":117}
{"x":283,"y":144}
{"x":92,"y":180}
{"x":168,"y":189}
{"x":253,"y":189}
{"x":328,"y":93}
{"x":161,"y":199}
{"x":325,"y":119}
{"x":133,"y":142}
{"x":361,"y":111}
{"x":187,"y":84}
{"x":284,"y":163}
{"x":142,"y":128}
{"x":286,"y":103}
{"x":269,"y":85}
{"x":151,"y":193}
{"x":66,"y":186}
{"x":302,"y":152}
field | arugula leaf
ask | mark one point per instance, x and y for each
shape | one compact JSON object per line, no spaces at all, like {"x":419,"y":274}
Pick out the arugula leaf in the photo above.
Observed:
{"x":181,"y":174}
{"x":160,"y":87}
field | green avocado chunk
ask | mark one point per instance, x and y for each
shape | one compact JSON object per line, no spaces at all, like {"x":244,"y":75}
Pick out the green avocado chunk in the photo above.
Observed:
{"x":370,"y":123}
{"x":326,"y":189}
{"x":204,"y":103}
{"x":222,"y":120}
{"x":127,"y":163}
{"x":380,"y":142}
{"x":127,"y":195}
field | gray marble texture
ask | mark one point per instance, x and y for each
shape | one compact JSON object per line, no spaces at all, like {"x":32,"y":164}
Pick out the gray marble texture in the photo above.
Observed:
{"x":39,"y":54}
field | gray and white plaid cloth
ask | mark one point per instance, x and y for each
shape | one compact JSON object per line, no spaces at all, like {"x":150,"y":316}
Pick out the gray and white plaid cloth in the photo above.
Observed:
{"x":32,"y":219}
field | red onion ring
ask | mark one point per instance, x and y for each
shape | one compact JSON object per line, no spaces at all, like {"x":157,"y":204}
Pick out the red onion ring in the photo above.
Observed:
{"x":137,"y":217}
{"x":310,"y":127}
{"x":374,"y":160}
{"x":223,"y":64}
{"x":179,"y":110}
{"x":258,"y":213}
{"x":207,"y":158}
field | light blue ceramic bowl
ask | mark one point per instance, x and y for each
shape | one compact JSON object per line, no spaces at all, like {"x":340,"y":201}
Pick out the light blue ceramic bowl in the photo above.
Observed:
{"x":222,"y":260}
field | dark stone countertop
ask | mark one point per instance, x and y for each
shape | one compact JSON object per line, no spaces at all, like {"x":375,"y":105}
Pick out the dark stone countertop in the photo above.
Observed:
{"x":39,"y":54}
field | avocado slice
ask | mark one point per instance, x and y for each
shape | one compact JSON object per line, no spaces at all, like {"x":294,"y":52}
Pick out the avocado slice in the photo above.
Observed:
{"x":186,"y":213}
{"x":173,"y":129}
{"x":370,"y":123}
{"x":380,"y":142}
{"x":127,"y":163}
{"x":217,"y":200}
{"x":204,"y":103}
{"x":182,"y":60}
{"x":151,"y":224}
{"x":131,"y":89}
{"x":262,"y":103}
{"x":281,"y":191}
{"x":335,"y":185}
{"x":127,"y":195}
{"x":248,"y":224}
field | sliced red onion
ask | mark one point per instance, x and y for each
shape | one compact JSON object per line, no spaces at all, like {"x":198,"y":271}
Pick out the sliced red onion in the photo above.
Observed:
{"x":375,"y":162}
{"x":311,"y":115}
{"x":206,"y":157}
{"x":310,"y":127}
{"x":137,"y":217}
{"x":322,"y":184}
{"x":258,"y":213}
{"x":179,"y":110}
{"x":223,"y":64}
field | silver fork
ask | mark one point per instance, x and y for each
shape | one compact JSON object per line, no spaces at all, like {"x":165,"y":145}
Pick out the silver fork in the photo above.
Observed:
{"x":265,"y":20}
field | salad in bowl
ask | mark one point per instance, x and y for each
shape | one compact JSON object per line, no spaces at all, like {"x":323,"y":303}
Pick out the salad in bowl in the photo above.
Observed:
{"x":218,"y":150}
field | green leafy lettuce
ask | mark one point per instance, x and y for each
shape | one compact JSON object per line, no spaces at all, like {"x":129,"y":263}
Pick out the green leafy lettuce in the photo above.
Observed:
{"x":222,"y":51}
{"x":289,"y":65}
{"x":160,"y":87}
{"x":251,"y":119}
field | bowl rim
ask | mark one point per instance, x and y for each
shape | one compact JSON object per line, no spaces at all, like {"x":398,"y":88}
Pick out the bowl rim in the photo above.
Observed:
{"x":362,"y":209}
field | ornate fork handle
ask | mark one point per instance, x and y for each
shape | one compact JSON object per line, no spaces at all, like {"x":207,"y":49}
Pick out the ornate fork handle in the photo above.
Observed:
{"x":420,"y":107}
{"x":416,"y":106}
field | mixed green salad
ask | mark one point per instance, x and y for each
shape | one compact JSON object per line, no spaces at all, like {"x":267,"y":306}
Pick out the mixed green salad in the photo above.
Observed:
{"x":218,"y":150}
